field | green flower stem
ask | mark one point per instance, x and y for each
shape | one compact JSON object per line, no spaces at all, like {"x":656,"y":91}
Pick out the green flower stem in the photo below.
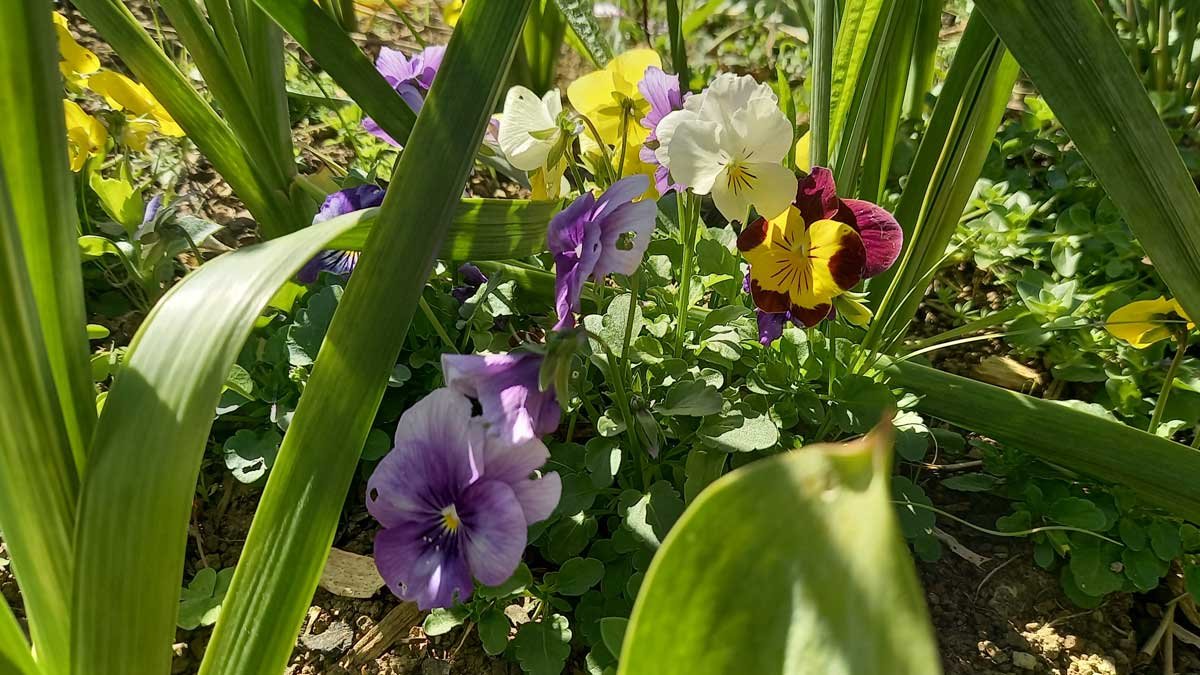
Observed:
{"x":621,"y":398}
{"x":633,"y":305}
{"x":603,"y":151}
{"x":1181,"y":341}
{"x":689,"y":212}
{"x":620,"y":168}
{"x":437,"y":325}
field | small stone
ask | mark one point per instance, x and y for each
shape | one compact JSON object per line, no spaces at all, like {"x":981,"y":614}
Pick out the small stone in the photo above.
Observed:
{"x":337,"y":637}
{"x":1024,"y":660}
{"x":1070,"y":642}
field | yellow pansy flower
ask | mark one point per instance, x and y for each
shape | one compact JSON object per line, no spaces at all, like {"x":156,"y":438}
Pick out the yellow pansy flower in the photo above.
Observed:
{"x":609,"y":96}
{"x":123,"y":93}
{"x":86,"y":136}
{"x":1144,"y":322}
{"x":76,"y":59}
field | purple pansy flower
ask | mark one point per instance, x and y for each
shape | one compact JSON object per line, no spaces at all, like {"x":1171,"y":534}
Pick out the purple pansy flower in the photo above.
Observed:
{"x":337,"y":204}
{"x":588,"y":239}
{"x":506,"y":386}
{"x":455,"y":503}
{"x":410,"y":77}
{"x":472,"y":278}
{"x":663,"y":93}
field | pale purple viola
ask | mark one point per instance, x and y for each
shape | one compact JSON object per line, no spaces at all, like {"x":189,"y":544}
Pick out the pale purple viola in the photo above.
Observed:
{"x":506,"y":386}
{"x":411,"y":77}
{"x":472,"y":278}
{"x":339,"y":263}
{"x":455,"y":502}
{"x":591,"y":239}
{"x":663,"y":93}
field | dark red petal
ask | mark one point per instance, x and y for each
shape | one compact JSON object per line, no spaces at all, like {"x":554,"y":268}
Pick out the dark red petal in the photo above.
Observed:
{"x":847,"y":264}
{"x":754,"y":234}
{"x":816,"y":195}
{"x":881,"y":235}
{"x":811,"y":316}
{"x":768,"y":301}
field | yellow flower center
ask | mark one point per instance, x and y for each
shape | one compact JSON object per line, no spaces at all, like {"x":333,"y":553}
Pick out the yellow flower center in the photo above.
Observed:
{"x":739,"y":178}
{"x":450,"y":519}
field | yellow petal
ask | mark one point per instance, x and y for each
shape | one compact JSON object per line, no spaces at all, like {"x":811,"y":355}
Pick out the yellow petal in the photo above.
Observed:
{"x":122,"y":93}
{"x":628,"y":68}
{"x":811,"y":265}
{"x":167,"y":126}
{"x":1144,"y":322}
{"x":804,"y":153}
{"x":451,"y":11}
{"x":133,"y":136}
{"x":86,"y":135}
{"x":76,"y":59}
{"x":599,"y":95}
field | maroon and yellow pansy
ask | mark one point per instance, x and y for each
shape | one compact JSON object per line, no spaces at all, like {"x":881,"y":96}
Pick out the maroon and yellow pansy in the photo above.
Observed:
{"x":816,"y":250}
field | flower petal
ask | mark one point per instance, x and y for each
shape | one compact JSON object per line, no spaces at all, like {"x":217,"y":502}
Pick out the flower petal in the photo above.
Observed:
{"x":729,"y":93}
{"x":764,"y":134}
{"x":442,"y":420}
{"x":772,"y":190}
{"x":539,"y":496}
{"x":693,"y":153}
{"x":1142,"y":323}
{"x":810,"y":316}
{"x":575,"y":250}
{"x":881,"y":235}
{"x":838,"y":258}
{"x":419,"y":570}
{"x":525,"y":115}
{"x":770,"y":326}
{"x":493,"y":531}
{"x":394,"y":65}
{"x":816,"y":195}
{"x":512,"y":461}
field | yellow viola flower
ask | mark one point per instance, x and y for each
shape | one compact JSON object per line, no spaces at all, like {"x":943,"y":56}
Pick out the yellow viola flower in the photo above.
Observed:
{"x":123,"y":93}
{"x":1144,"y":322}
{"x":86,"y":136}
{"x":76,"y":60}
{"x":608,"y":96}
{"x":134,"y":134}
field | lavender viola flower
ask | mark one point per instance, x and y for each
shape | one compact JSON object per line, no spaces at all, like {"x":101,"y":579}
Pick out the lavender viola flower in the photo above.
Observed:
{"x":506,"y":386}
{"x":472,"y":278}
{"x":455,"y":503}
{"x":590,"y":238}
{"x":410,"y":77}
{"x":337,"y":204}
{"x":663,"y":93}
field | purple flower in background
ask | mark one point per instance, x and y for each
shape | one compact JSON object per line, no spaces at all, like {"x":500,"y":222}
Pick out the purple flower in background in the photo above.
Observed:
{"x":663,"y":93}
{"x":472,"y":279}
{"x":455,"y":503}
{"x":590,"y":238}
{"x":337,"y":204}
{"x":506,"y":386}
{"x":410,"y":77}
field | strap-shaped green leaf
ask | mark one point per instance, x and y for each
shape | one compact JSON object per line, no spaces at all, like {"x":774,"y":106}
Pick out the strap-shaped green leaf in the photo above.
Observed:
{"x":1081,"y":71}
{"x":858,"y":23}
{"x":943,"y":174}
{"x":209,"y":132}
{"x":292,"y":531}
{"x":797,"y":563}
{"x":321,"y":36}
{"x":581,"y":17}
{"x":15,"y":656}
{"x":1162,"y":472}
{"x":42,"y":198}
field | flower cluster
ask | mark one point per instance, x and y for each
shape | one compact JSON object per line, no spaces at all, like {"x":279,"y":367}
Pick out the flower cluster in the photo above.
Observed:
{"x":457,"y":492}
{"x":87,"y":136}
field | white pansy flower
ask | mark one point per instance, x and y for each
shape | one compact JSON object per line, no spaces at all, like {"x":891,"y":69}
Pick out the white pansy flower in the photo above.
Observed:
{"x":730,"y":140}
{"x":530,"y":135}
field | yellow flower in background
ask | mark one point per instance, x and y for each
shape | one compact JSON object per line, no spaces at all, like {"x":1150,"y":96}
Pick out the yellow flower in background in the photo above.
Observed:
{"x":86,"y":136}
{"x":77,"y":60}
{"x":608,"y":96}
{"x":123,"y":93}
{"x":1144,"y":322}
{"x":804,"y":153}
{"x":451,"y":10}
{"x":135,"y":133}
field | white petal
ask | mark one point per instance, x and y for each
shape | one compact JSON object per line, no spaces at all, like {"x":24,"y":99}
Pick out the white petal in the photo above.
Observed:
{"x":730,"y":93}
{"x":773,"y":189}
{"x":763,"y":132}
{"x":552,"y":102}
{"x":525,"y":113}
{"x":695,"y":154}
{"x":732,"y":204}
{"x":665,"y":131}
